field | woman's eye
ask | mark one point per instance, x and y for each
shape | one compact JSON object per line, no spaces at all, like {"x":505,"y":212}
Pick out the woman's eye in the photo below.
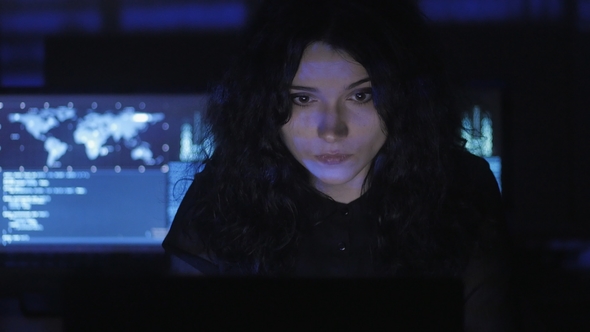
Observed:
{"x":361,"y":97}
{"x":300,"y":99}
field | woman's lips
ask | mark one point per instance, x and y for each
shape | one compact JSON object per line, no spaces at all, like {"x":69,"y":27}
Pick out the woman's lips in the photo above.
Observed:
{"x":333,"y":159}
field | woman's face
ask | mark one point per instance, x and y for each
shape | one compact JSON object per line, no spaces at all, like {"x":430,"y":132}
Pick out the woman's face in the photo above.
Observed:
{"x":334,"y":130}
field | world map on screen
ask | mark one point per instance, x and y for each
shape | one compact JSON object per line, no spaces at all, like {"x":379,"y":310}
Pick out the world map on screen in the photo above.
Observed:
{"x":93,"y":130}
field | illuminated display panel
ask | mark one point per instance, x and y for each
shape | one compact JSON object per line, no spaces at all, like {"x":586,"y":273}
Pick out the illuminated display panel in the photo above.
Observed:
{"x":93,"y":172}
{"x":482,"y":123}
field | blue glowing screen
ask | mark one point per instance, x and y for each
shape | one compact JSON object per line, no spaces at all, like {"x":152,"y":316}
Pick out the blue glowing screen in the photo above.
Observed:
{"x":93,"y":170}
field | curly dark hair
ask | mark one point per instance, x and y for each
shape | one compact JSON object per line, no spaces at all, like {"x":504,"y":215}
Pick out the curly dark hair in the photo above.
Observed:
{"x":248,"y":214}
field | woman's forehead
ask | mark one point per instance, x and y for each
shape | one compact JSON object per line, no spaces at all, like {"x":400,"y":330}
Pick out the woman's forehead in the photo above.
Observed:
{"x":321,"y":49}
{"x":321,"y":60}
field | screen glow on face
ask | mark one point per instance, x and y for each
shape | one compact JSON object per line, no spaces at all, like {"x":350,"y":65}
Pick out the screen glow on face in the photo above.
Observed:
{"x":334,"y":131}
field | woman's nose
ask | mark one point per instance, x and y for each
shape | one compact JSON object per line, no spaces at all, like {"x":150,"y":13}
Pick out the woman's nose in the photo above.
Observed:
{"x":333,"y":123}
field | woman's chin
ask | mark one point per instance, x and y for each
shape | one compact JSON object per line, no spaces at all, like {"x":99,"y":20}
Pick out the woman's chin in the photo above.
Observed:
{"x":332,"y":181}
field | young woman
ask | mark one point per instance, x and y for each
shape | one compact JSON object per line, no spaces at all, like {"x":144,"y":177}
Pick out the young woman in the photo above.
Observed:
{"x":337,"y":153}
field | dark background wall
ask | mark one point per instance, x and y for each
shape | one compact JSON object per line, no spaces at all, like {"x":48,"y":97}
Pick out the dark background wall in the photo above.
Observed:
{"x":537,"y":52}
{"x":537,"y":68}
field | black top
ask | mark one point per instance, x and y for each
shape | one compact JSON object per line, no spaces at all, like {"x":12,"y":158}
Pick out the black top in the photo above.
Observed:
{"x":339,"y":245}
{"x":342,"y":242}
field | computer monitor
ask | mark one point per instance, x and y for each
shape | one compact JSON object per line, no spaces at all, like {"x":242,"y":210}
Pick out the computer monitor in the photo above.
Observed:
{"x":482,"y":126}
{"x":84,"y":173}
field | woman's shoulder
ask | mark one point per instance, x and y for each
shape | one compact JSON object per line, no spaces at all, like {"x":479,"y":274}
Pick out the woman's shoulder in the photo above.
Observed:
{"x":488,"y":297}
{"x":182,"y":239}
{"x":467,"y":164}
{"x":474,"y":180}
{"x":181,"y":235}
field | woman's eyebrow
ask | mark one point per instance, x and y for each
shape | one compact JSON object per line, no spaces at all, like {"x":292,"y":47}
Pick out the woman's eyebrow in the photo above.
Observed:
{"x":304,"y":88}
{"x":357,"y":83}
{"x":351,"y":86}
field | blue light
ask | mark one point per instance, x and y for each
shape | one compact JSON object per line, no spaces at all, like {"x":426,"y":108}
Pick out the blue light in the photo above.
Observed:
{"x":50,"y":21}
{"x":471,"y":10}
{"x":584,"y":13}
{"x":22,"y":80}
{"x":26,"y":50}
{"x":31,"y":51}
{"x":584,"y":259}
{"x":183,"y":16}
{"x":545,"y":9}
{"x":490,"y":11}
